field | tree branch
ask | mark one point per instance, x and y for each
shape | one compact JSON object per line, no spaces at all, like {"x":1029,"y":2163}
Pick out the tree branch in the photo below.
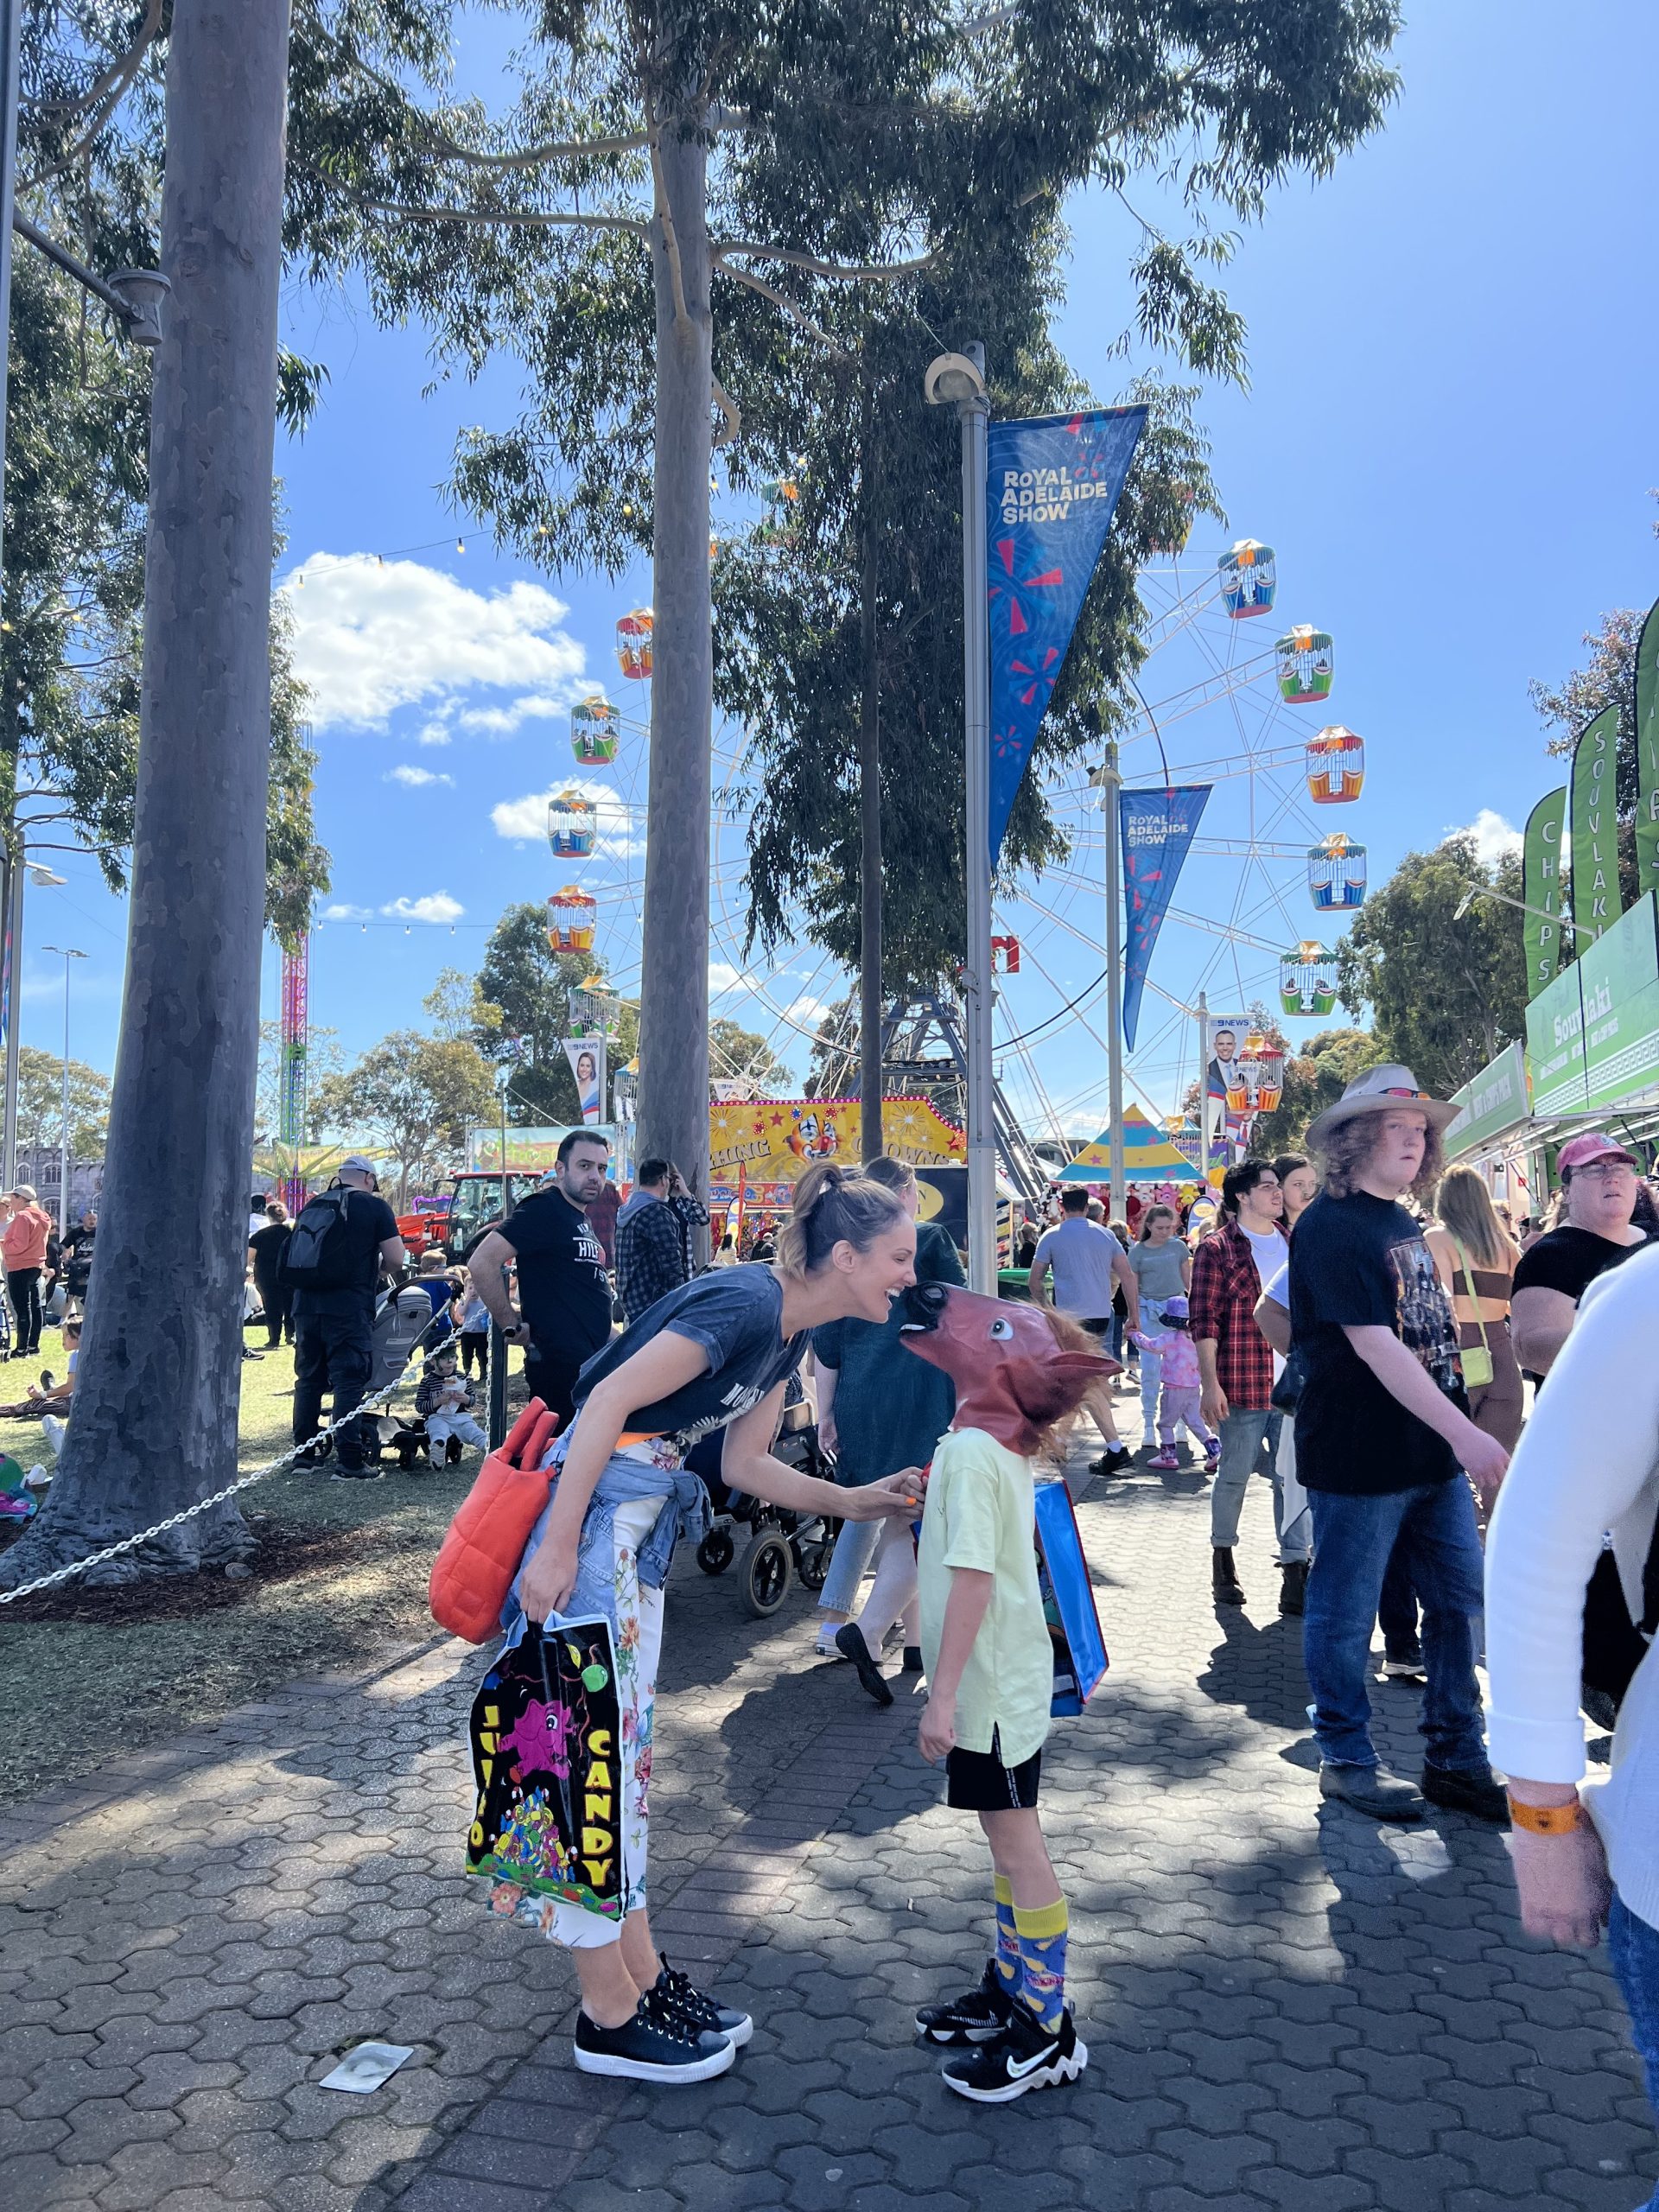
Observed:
{"x":636,"y":225}
{"x":102,"y":97}
{"x":732,"y":425}
{"x":841,"y":271}
{"x":797,"y":315}
{"x":570,"y":149}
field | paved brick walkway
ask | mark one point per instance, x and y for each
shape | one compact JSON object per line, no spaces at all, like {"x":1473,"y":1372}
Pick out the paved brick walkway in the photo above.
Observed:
{"x":1286,"y":2005}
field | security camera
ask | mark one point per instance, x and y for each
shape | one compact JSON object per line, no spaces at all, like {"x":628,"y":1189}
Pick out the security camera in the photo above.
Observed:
{"x":951,"y":379}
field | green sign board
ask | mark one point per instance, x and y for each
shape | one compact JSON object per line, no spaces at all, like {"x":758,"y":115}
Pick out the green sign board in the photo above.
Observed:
{"x":1555,"y":1046}
{"x":1618,"y":977}
{"x":1540,"y":863}
{"x":1494,"y":1101}
{"x":1647,"y":753}
{"x":1595,"y":830}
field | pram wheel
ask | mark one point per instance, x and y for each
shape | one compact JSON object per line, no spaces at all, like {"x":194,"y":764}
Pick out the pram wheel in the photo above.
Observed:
{"x":766,"y":1570}
{"x":715,"y":1551}
{"x":812,"y":1556}
{"x":452,"y":1452}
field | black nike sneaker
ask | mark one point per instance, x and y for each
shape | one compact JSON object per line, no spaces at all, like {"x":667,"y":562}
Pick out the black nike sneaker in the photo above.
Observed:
{"x":678,"y":1993}
{"x":1024,"y":2056}
{"x":654,"y":2045}
{"x":977,"y":2018}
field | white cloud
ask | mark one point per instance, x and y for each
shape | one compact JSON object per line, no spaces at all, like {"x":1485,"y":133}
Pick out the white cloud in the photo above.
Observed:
{"x":505,"y":721}
{"x":343,"y":913}
{"x":808,"y":1011}
{"x":435,"y":907}
{"x":371,"y":635}
{"x":432,"y":733}
{"x":616,"y":837}
{"x":1495,"y":838}
{"x":415,"y":779}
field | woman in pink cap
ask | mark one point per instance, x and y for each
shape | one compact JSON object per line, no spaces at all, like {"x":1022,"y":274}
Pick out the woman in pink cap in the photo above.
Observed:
{"x":1595,"y":1232}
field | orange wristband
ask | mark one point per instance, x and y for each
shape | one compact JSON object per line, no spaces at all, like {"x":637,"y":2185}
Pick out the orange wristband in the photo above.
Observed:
{"x":1548,"y":1820}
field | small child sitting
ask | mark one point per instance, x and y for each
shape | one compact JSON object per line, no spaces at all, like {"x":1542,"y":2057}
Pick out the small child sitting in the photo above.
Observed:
{"x":443,"y":1398}
{"x":50,"y":1404}
{"x":1177,"y":1406}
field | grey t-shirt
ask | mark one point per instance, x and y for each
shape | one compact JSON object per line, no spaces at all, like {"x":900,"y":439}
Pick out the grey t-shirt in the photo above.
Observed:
{"x":1079,"y":1252}
{"x":736,"y":1316}
{"x":1158,"y":1268}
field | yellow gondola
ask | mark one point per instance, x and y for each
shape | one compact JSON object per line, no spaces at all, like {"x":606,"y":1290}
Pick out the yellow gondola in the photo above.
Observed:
{"x":1335,"y":766}
{"x":633,"y":645}
{"x":571,"y":920}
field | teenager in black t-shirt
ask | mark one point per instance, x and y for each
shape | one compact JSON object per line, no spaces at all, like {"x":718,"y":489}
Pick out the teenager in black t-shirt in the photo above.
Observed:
{"x":332,"y":1346}
{"x":1599,"y":1188}
{"x":564,"y":1315}
{"x":1382,"y":1431}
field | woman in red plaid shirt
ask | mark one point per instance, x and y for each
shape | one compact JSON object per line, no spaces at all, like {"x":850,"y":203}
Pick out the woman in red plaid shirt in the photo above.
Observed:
{"x":1236,"y":1360}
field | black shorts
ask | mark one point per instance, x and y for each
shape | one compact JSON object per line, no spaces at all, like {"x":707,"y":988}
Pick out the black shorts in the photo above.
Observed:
{"x":1097,"y":1328}
{"x":977,"y":1782}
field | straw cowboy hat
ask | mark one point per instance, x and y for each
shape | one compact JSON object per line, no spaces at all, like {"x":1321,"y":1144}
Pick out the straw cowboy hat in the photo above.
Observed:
{"x":1380,"y":1091}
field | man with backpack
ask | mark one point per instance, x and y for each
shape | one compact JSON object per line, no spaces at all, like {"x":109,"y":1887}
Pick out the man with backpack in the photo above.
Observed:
{"x":345,"y":1239}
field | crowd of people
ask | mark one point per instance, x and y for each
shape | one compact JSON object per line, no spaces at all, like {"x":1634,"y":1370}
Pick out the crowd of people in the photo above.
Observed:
{"x":1360,"y":1326}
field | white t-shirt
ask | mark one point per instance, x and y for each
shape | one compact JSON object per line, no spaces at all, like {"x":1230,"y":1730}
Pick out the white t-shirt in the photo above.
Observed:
{"x":1268,"y":1248}
{"x":1080,"y":1252}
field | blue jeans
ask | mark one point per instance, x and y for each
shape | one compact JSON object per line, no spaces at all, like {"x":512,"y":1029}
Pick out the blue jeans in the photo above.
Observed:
{"x":1633,"y":1947}
{"x":1440,"y":1548}
{"x":1249,"y":1445}
{"x":854,"y":1548}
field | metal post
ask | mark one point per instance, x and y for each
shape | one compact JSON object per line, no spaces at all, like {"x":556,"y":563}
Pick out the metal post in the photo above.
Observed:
{"x":496,"y":1404}
{"x":1203,"y":1086}
{"x":1110,"y":783}
{"x":11,"y":23}
{"x":978,"y":990}
{"x":10,"y":970}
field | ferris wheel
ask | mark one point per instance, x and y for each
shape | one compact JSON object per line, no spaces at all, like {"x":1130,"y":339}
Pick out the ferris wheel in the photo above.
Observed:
{"x":1230,"y":696}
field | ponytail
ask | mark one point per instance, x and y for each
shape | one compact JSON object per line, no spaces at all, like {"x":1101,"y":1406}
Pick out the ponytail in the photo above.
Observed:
{"x":834,"y":1206}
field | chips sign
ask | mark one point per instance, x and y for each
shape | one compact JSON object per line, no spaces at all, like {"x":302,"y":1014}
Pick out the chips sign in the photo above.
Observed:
{"x":776,"y":1140}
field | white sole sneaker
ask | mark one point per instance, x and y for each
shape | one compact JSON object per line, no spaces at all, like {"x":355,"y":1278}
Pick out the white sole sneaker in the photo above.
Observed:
{"x":632,"y":2069}
{"x":1065,"y":2069}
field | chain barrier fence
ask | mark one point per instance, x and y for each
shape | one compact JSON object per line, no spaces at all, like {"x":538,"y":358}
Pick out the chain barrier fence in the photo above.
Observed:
{"x":376,"y":1401}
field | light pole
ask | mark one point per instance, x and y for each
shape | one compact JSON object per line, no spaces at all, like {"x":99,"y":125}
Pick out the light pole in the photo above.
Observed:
{"x":67,"y":953}
{"x":1108,"y":779}
{"x":959,"y":379}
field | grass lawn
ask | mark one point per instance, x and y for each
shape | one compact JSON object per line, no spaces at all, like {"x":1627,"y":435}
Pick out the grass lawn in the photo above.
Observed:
{"x":340,"y":1575}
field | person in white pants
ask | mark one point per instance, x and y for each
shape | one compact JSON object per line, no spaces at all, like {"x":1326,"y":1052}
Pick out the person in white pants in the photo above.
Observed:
{"x":444,"y":1401}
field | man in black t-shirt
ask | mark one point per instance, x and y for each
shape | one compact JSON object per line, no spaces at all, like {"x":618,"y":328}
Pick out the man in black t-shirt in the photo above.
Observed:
{"x":1598,"y":1184}
{"x":1382,"y":1439}
{"x":333,"y":1329}
{"x":563,"y":1314}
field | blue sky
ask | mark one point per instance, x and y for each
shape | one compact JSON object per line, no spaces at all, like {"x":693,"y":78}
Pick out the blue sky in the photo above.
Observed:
{"x":1448,"y":440}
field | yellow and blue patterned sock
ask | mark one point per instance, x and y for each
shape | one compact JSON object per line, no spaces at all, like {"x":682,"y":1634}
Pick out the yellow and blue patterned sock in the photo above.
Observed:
{"x":1041,"y":1930}
{"x":1009,"y":1967}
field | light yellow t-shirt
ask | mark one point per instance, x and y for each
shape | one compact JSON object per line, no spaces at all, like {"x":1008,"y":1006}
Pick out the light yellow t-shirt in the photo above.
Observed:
{"x":980,"y":1514}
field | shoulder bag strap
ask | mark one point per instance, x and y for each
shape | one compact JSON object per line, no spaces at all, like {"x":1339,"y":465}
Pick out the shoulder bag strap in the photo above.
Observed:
{"x":1469,"y":1278}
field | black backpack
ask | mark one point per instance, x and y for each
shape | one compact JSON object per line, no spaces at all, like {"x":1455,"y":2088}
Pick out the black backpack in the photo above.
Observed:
{"x":319,"y":1255}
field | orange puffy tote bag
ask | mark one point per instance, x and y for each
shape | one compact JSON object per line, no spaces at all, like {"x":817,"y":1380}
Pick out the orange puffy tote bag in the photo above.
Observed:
{"x":480,"y":1556}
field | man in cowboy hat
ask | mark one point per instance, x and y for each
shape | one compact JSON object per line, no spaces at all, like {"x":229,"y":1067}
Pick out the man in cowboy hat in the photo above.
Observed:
{"x":1383,"y":1442}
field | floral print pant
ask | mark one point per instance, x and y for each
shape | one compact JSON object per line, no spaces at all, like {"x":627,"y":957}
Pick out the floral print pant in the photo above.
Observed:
{"x":638,"y":1642}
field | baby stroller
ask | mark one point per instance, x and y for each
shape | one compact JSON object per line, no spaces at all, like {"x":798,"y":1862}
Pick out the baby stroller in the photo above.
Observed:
{"x":402,"y":1322}
{"x":782,"y":1544}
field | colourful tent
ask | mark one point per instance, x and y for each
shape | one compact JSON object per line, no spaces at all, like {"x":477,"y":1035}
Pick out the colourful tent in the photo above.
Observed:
{"x":1148,"y":1156}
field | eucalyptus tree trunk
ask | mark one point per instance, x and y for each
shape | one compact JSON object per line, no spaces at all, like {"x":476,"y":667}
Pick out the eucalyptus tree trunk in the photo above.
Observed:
{"x":157,"y":1384}
{"x":673,"y":984}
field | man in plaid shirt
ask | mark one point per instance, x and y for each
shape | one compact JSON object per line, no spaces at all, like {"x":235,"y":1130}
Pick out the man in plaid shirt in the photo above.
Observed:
{"x":653,"y":1236}
{"x":1231,"y":1269}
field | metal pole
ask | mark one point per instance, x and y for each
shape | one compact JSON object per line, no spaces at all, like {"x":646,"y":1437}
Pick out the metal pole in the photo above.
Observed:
{"x":12,"y":964}
{"x":978,"y":994}
{"x":11,"y":22}
{"x":1110,"y":782}
{"x":63,"y":1171}
{"x":1203,"y":1086}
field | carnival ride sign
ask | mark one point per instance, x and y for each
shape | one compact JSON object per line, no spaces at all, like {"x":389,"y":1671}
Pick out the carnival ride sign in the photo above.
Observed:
{"x":776,"y":1140}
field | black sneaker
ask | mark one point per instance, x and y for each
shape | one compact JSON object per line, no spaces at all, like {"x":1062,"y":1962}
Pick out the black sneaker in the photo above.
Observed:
{"x":913,"y":1660}
{"x":979,"y":2016}
{"x":850,"y":1642}
{"x":1459,"y":1790}
{"x":678,"y":1993}
{"x":654,"y":2045}
{"x":1024,"y":2056}
{"x":1116,"y":1459}
{"x":1403,"y":1666}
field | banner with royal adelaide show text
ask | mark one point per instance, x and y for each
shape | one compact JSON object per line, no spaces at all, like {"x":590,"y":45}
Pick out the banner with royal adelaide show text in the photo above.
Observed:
{"x":1051,"y":483}
{"x":1157,"y":829}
